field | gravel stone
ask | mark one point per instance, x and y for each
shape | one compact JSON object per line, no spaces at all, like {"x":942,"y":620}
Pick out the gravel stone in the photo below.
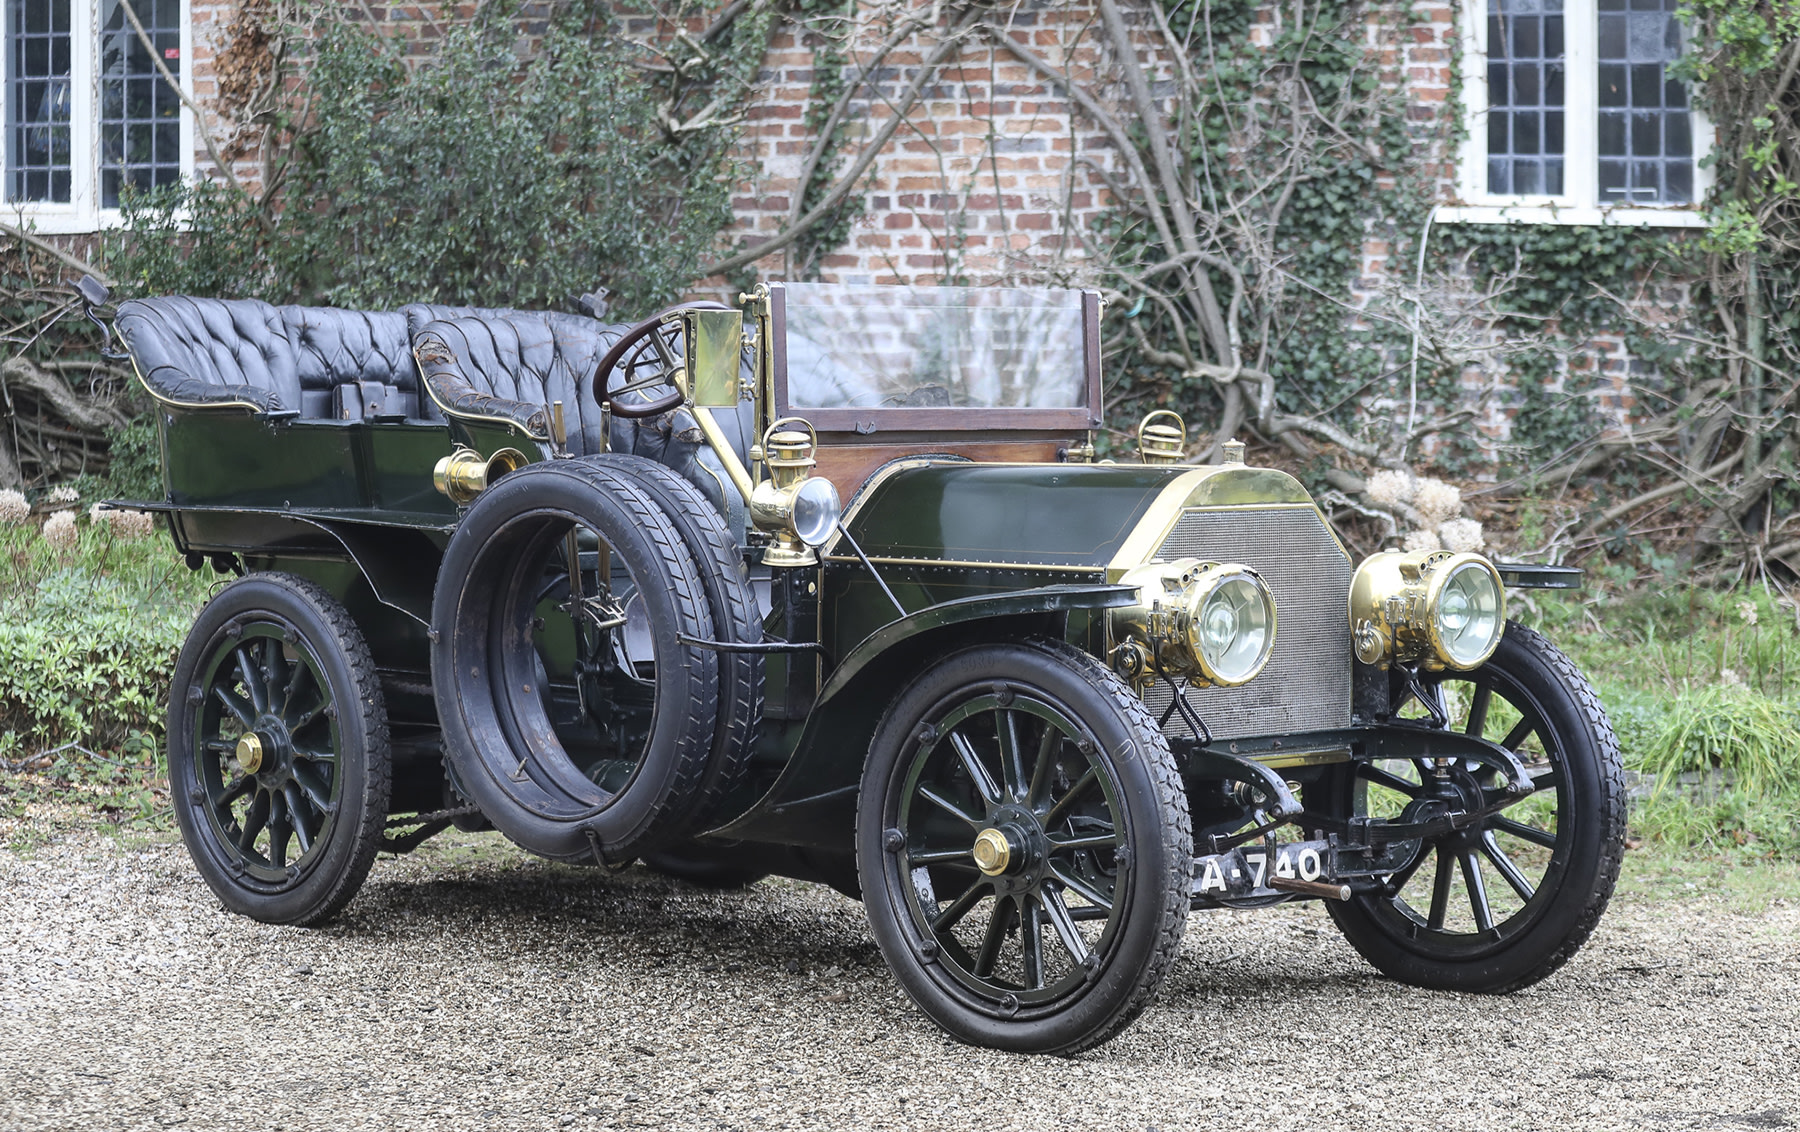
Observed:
{"x":470,"y":986}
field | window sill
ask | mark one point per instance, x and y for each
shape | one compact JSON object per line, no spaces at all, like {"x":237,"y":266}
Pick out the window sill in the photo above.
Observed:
{"x":1685,"y":216}
{"x":41,"y":221}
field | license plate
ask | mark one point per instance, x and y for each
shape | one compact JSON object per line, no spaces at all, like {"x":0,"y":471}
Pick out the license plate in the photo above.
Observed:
{"x":1247,"y":871}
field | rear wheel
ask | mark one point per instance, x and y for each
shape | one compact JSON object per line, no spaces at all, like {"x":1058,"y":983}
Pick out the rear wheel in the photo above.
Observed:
{"x":1505,"y":902}
{"x":278,"y":750}
{"x":574,"y":714}
{"x":1024,"y":848}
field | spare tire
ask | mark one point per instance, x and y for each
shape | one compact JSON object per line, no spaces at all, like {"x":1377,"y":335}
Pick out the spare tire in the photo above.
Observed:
{"x":572,"y":713}
{"x":736,"y":619}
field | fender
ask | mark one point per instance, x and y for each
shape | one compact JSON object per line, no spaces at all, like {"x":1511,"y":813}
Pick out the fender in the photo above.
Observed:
{"x":813,"y":800}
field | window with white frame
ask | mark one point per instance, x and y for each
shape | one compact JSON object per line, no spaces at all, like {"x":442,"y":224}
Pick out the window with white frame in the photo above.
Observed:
{"x":1574,"y":117}
{"x":88,"y":110}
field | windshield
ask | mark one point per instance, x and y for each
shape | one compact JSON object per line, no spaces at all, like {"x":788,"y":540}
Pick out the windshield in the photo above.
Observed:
{"x":865,"y":346}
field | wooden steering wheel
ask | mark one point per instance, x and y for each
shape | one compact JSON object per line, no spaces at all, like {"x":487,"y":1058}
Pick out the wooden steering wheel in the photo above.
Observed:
{"x":653,"y":344}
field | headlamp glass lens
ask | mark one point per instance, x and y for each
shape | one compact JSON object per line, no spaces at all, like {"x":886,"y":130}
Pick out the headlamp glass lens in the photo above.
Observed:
{"x":816,"y":511}
{"x":1237,"y":629}
{"x":1468,"y":615}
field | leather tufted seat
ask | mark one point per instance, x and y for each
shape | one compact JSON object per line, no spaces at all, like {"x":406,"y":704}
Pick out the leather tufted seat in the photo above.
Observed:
{"x":212,"y":351}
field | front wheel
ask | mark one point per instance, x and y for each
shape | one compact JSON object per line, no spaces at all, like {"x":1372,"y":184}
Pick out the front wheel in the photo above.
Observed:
{"x":1503,"y":903}
{"x":1024,"y":848}
{"x":278,"y":750}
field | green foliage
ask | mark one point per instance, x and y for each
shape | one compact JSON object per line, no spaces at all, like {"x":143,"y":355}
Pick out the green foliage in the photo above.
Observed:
{"x":473,"y":176}
{"x":1703,"y":689}
{"x":1294,"y":202}
{"x":88,"y":638}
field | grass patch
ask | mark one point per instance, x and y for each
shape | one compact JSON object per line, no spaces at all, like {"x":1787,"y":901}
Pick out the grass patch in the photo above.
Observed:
{"x":1702,"y":688}
{"x":1657,"y":873}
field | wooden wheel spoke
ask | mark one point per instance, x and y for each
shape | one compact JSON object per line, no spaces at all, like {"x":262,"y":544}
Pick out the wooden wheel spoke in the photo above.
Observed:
{"x":316,"y":793}
{"x":1521,"y":731}
{"x":1089,"y":841}
{"x":1397,"y":881}
{"x":244,"y":713}
{"x":254,"y":821}
{"x":931,"y":794}
{"x":1080,"y":887}
{"x":1012,"y":758}
{"x":993,"y":938}
{"x":1383,"y":777}
{"x":1058,"y":914}
{"x":252,"y":679}
{"x":1082,"y":785}
{"x":1478,"y":710}
{"x":297,"y":681}
{"x":1440,"y":892}
{"x":1523,"y":832}
{"x":1031,"y":941}
{"x":984,"y":782}
{"x":952,"y":914}
{"x":235,"y":791}
{"x":1477,"y":890}
{"x":938,"y":857}
{"x":1506,"y":866}
{"x":1040,"y":770}
{"x":297,"y":809}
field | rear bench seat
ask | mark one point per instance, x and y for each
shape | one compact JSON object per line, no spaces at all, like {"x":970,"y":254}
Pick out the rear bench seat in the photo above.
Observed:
{"x":324,"y":363}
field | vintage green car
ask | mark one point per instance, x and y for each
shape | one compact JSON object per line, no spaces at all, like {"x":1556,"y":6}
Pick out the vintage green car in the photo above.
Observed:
{"x":592,"y":585}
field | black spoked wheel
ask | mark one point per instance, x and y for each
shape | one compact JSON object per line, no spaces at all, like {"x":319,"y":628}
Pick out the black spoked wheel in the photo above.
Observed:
{"x":278,"y":750}
{"x":1505,"y":902}
{"x":574,"y":714}
{"x":1024,"y":848}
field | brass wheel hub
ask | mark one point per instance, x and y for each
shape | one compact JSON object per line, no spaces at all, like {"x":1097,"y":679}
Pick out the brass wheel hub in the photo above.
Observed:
{"x":993,"y":852}
{"x":250,"y":752}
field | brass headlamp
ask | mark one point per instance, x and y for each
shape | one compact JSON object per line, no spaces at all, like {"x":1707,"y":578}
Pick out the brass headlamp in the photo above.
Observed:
{"x":1438,"y":609}
{"x":464,"y":473}
{"x":1212,"y":622}
{"x":799,"y":511}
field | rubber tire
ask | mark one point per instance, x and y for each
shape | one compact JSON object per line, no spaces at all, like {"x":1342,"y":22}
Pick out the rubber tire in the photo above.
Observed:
{"x":333,"y":877}
{"x":553,"y":809}
{"x":735,"y":619}
{"x":1156,"y":813}
{"x":1568,"y":705}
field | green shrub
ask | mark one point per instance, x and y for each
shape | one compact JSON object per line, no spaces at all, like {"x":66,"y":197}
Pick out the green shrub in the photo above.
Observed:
{"x":469,"y":177}
{"x":88,"y":638}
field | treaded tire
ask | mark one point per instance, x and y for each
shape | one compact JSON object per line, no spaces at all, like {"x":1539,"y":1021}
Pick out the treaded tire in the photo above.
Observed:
{"x":488,"y":679}
{"x":735,"y":619}
{"x":283,"y":649}
{"x":922,"y":805}
{"x":1584,"y":780}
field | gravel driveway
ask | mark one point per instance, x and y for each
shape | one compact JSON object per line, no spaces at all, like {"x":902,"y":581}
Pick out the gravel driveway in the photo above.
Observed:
{"x":472,"y":987}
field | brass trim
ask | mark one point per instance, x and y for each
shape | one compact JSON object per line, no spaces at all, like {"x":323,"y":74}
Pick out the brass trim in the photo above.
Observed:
{"x":715,"y":436}
{"x":992,"y":852}
{"x":1304,"y":758}
{"x":459,"y":415}
{"x":166,"y":400}
{"x":966,"y":563}
{"x":250,"y":752}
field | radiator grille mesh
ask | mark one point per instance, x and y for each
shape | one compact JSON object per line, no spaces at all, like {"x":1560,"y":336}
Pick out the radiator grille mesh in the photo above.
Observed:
{"x":1306,"y":686}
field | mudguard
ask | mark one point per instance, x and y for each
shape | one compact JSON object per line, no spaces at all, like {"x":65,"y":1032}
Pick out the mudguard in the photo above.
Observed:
{"x":813,"y":800}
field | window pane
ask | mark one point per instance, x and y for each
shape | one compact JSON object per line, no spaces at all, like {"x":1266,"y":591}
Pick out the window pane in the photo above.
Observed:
{"x":1525,"y":80}
{"x":1553,"y":177}
{"x":139,"y":114}
{"x":1612,"y":135}
{"x":1525,"y":133}
{"x":1678,"y":137}
{"x":38,"y":101}
{"x":1635,"y":48}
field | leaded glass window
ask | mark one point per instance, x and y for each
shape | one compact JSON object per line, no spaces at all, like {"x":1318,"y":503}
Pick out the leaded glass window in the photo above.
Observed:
{"x":38,"y":134}
{"x":1525,"y":97}
{"x":1646,"y":133}
{"x":140,"y":117}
